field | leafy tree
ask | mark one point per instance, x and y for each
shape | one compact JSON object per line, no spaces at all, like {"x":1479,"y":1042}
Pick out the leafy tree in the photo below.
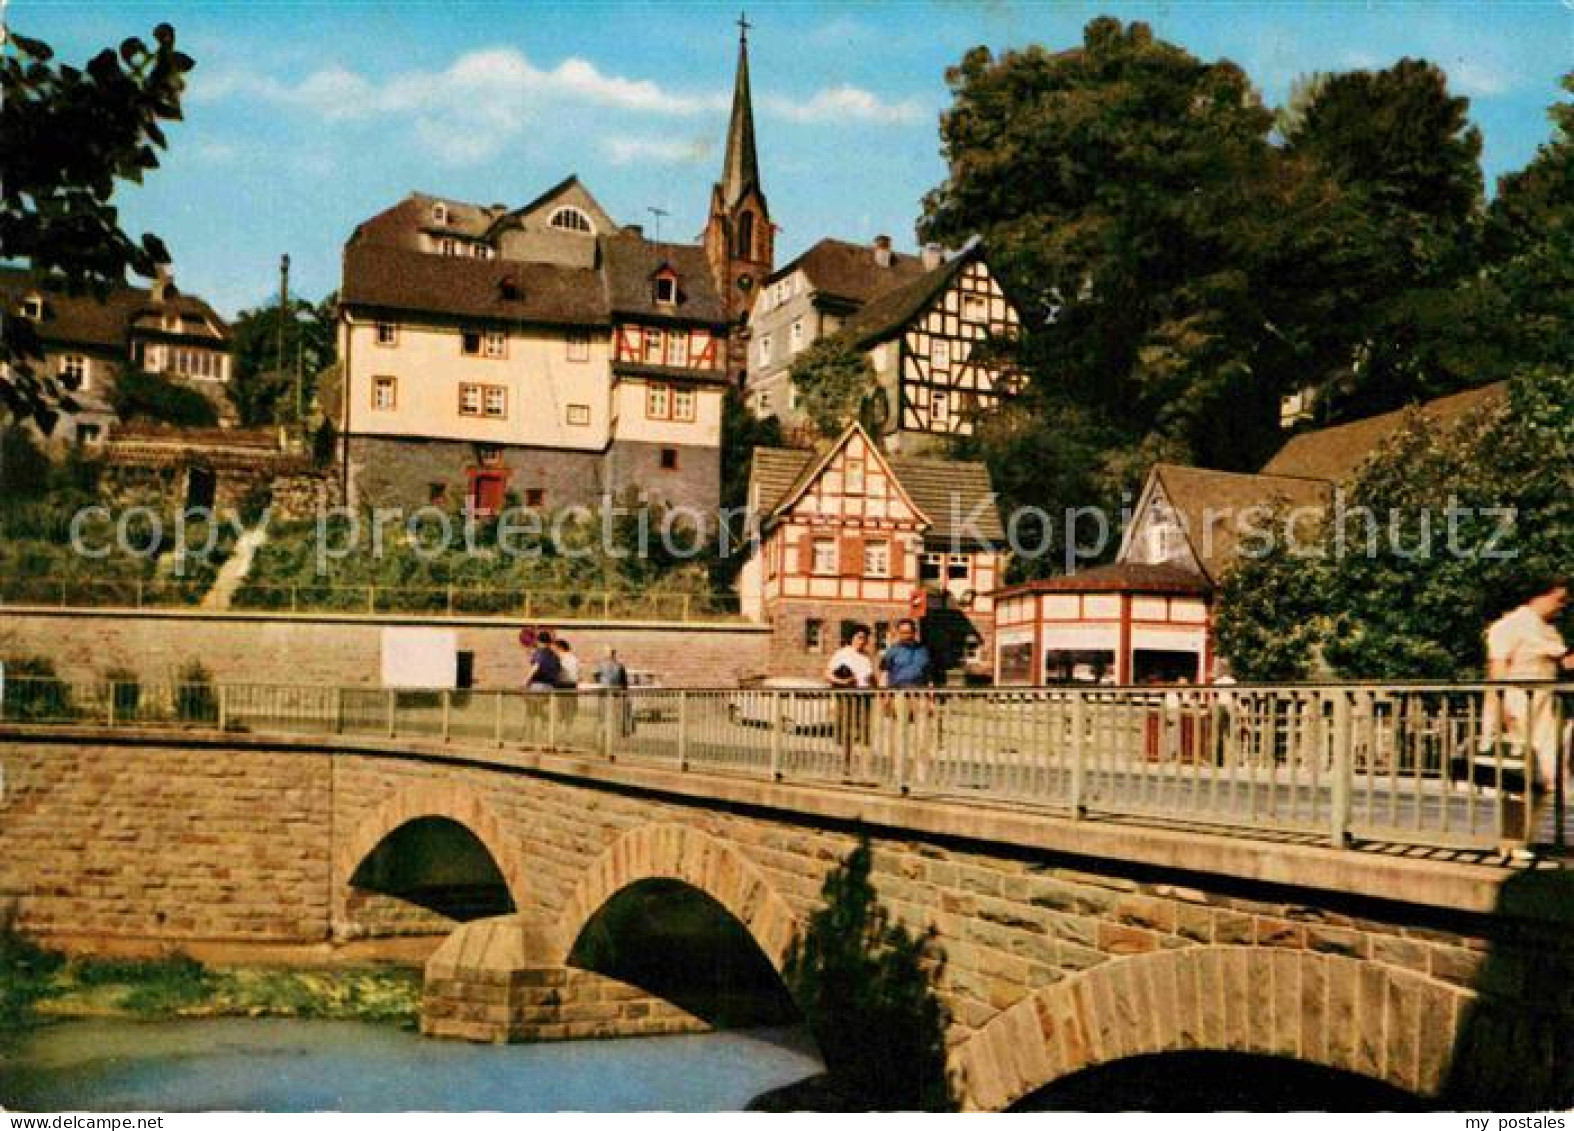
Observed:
{"x":863,"y":984}
{"x":263,"y":391}
{"x":1121,"y":188}
{"x":835,"y":383}
{"x":153,"y":397}
{"x":69,"y":135}
{"x":1403,"y":161}
{"x":1416,"y":560}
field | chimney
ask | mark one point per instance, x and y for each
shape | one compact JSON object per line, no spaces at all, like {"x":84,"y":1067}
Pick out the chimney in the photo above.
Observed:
{"x":163,"y":283}
{"x":882,"y":250}
{"x":933,"y":256}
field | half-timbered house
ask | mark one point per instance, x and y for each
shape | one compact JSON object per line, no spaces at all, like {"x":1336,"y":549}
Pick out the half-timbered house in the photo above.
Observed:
{"x":851,"y":535}
{"x":1148,"y":616}
{"x":545,"y":353}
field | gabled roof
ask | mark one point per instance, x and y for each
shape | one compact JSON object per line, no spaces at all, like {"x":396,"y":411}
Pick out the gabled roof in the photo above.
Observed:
{"x":90,"y":322}
{"x":946,"y":492}
{"x":395,"y":278}
{"x":631,"y":263}
{"x":849,"y":271}
{"x":402,"y":224}
{"x":886,"y":316}
{"x":1337,"y":453}
{"x":1213,"y":505}
{"x":1120,"y":577}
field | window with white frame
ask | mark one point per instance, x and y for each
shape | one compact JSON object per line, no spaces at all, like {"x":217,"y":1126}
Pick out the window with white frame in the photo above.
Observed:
{"x":496,"y":344}
{"x":795,"y":335}
{"x":439,"y":213}
{"x":387,"y":334}
{"x":939,"y":408}
{"x":658,"y":402}
{"x":683,"y":404}
{"x":853,"y":477}
{"x":494,"y":401}
{"x":931,"y":567}
{"x":385,"y":393}
{"x":940,"y":353}
{"x":877,"y":558}
{"x":975,"y":309}
{"x":824,"y":556}
{"x":32,"y":308}
{"x":678,"y":349}
{"x":448,"y":245}
{"x":469,"y":400}
{"x":74,"y":371}
{"x":578,"y":345}
{"x":666,"y":289}
{"x":765,"y":349}
{"x":655,"y":346}
{"x":813,"y":634}
{"x":959,"y":567}
{"x":579,"y":414}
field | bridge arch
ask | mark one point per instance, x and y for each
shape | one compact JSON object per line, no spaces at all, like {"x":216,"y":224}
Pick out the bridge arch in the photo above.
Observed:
{"x":1333,"y":1011}
{"x":458,"y":804}
{"x":671,"y":851}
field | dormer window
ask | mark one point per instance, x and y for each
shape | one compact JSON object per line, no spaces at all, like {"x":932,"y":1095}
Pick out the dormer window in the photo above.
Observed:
{"x":508,"y":288}
{"x":667,"y":288}
{"x":570,"y":219}
{"x":33,"y":307}
{"x":439,"y":213}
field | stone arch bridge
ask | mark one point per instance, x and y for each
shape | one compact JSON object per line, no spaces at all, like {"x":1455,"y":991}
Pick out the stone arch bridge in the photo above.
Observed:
{"x":1069,"y":943}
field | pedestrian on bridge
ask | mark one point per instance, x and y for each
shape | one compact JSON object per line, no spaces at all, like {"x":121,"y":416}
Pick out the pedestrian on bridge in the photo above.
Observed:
{"x":852,"y":672}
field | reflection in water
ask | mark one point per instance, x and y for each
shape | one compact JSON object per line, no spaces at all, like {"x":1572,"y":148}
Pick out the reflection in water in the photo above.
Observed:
{"x":245,"y":1064}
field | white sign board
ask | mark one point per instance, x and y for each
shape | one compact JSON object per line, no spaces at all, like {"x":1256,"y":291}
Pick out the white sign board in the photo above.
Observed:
{"x":419,"y":658}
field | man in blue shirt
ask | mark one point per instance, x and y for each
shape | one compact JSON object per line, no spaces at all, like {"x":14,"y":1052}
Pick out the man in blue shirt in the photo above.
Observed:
{"x":906,"y":663}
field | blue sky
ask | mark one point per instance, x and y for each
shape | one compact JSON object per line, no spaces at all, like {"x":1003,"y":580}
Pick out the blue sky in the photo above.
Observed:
{"x":305,"y":118}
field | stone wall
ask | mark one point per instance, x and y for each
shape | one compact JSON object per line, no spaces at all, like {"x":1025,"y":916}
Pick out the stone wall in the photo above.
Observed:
{"x":401,"y":472}
{"x":347,"y":651}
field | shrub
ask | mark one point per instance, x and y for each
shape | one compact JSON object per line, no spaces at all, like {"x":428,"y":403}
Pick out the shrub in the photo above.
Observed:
{"x":325,"y":444}
{"x":26,"y":971}
{"x":863,"y":984}
{"x":33,"y":692}
{"x":151,"y":396}
{"x":125,"y":691}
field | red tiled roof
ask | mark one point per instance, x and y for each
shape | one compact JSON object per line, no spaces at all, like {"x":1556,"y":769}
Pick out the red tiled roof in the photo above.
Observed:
{"x":1122,"y":577}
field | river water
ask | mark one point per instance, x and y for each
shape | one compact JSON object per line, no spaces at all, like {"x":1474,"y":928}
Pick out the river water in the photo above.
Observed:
{"x":259,"y":1064}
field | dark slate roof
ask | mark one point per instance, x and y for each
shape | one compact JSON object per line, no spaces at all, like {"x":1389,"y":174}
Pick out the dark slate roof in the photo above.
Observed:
{"x":887,"y":315}
{"x":394,"y":278}
{"x":631,"y":262}
{"x":947,"y":491}
{"x":1213,"y":504}
{"x":838,"y":269}
{"x":1337,"y":453}
{"x":88,"y":321}
{"x":1122,"y":577}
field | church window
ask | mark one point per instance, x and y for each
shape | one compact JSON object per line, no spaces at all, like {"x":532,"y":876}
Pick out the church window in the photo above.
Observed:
{"x":744,"y":246}
{"x":569,"y":219}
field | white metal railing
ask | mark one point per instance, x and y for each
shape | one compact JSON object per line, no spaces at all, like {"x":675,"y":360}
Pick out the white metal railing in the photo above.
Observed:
{"x":1425,"y":764}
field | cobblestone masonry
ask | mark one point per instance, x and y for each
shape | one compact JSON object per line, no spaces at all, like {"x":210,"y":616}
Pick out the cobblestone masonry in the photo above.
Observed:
{"x":1053,"y":962}
{"x":347,"y":652}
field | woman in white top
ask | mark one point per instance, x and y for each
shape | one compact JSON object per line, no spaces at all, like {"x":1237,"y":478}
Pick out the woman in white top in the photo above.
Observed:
{"x":851,"y":669}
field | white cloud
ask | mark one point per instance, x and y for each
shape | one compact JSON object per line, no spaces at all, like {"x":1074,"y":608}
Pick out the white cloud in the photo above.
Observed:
{"x":658,"y":151}
{"x":1477,"y":78}
{"x":845,"y":103}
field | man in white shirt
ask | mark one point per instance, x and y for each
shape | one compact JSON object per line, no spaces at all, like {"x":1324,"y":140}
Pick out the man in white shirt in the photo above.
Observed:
{"x":1525,"y":645}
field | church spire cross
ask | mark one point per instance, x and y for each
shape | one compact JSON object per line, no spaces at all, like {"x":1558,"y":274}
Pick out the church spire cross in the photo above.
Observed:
{"x":743,"y":28}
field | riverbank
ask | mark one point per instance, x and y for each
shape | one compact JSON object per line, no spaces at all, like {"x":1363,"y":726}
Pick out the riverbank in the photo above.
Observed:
{"x":38,"y":984}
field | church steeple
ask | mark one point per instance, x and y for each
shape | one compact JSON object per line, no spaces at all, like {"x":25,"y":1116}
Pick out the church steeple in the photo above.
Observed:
{"x":739,"y":239}
{"x":741,"y":169}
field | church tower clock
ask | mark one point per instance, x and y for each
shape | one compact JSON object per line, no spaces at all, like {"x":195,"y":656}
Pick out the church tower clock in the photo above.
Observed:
{"x":739,"y":238}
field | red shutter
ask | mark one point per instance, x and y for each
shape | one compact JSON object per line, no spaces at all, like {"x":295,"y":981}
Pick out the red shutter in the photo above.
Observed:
{"x":852,"y":555}
{"x":898,"y":559}
{"x":806,"y":553}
